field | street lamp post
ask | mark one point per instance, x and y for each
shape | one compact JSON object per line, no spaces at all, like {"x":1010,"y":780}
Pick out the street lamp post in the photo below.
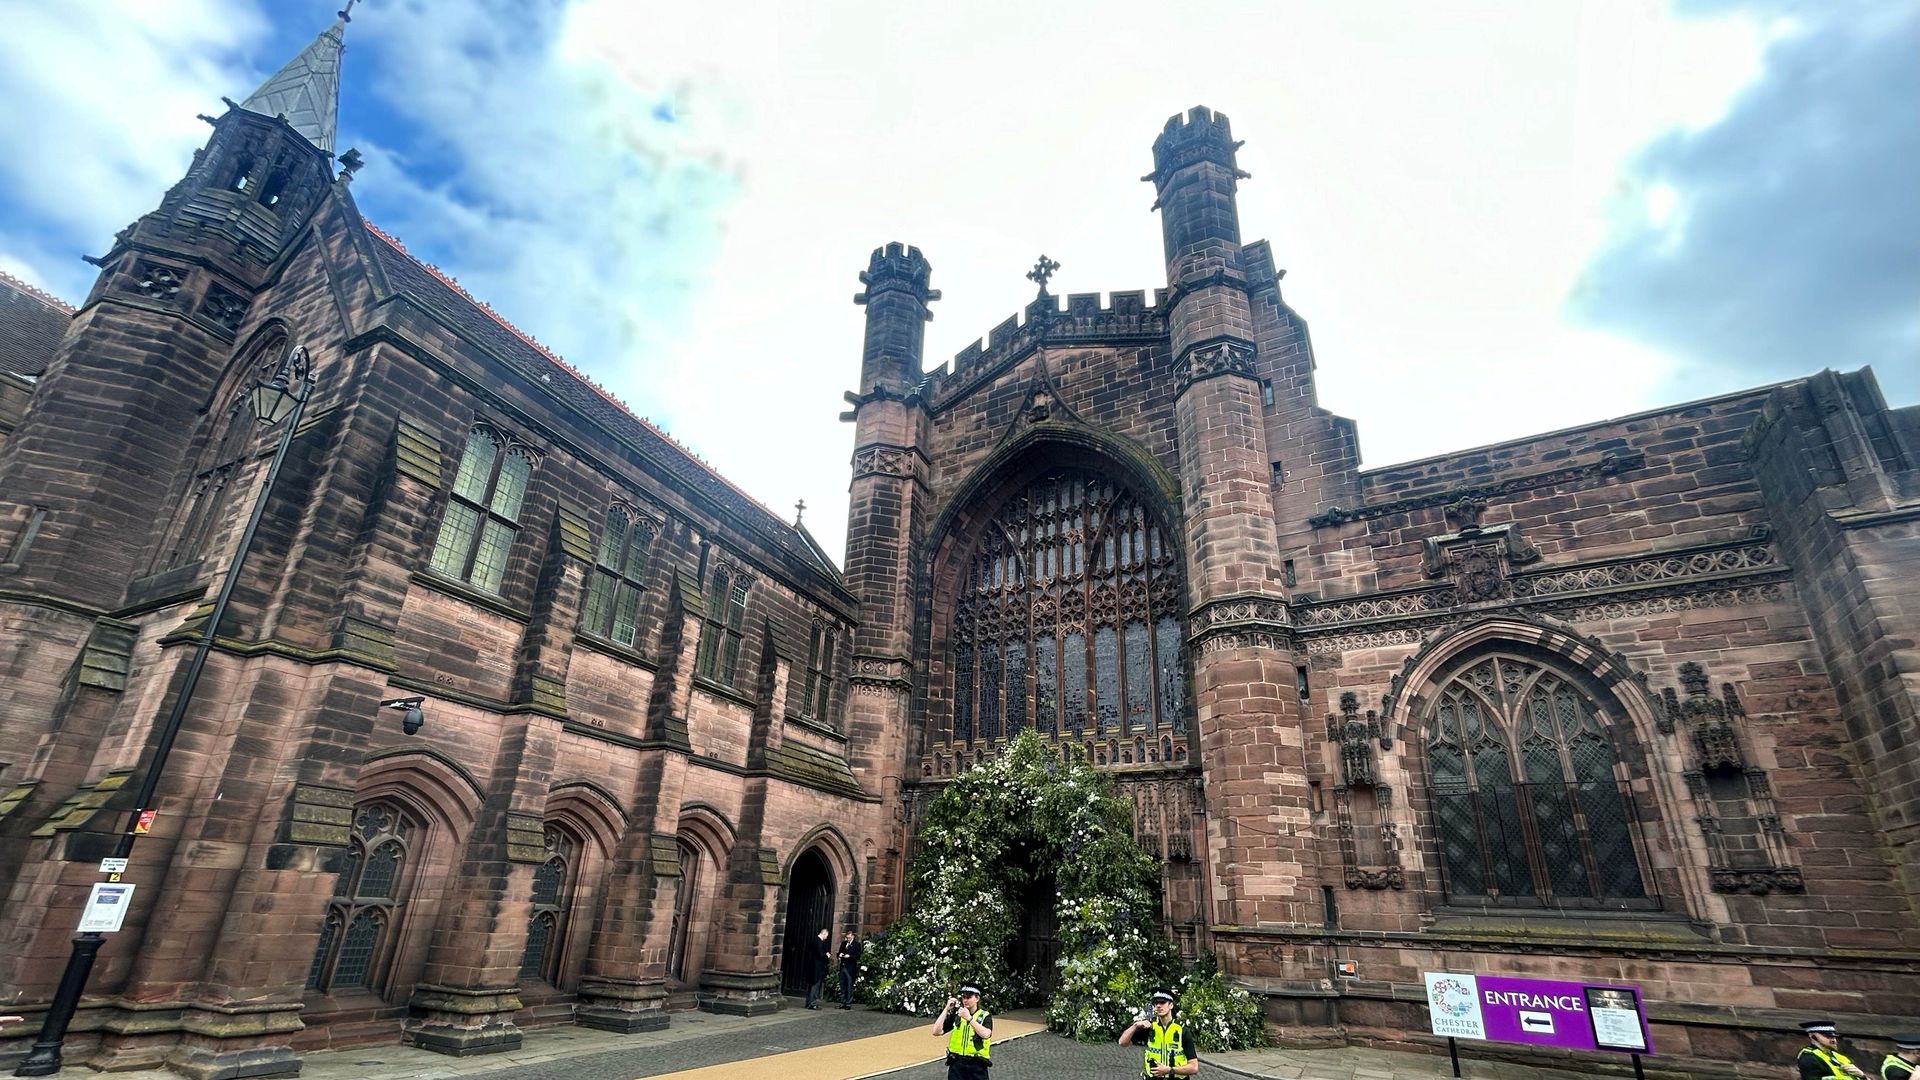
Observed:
{"x":277,"y":394}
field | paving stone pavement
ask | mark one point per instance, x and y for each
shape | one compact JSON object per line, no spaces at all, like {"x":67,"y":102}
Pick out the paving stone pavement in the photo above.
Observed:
{"x":695,"y":1040}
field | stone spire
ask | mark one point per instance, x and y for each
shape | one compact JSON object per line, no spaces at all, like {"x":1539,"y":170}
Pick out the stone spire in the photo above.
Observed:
{"x":307,"y":90}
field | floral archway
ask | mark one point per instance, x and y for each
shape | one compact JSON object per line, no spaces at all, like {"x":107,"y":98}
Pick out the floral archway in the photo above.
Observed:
{"x":1008,"y":822}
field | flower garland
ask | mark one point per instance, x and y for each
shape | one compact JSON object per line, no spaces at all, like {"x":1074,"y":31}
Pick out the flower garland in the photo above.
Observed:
{"x":980,"y":841}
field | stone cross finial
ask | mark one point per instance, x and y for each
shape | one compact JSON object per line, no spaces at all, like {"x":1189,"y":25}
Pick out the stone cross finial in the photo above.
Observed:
{"x":1041,"y":271}
{"x":799,"y":508}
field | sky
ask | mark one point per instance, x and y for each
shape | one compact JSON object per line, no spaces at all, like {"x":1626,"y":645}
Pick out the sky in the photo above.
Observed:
{"x":1498,"y":218}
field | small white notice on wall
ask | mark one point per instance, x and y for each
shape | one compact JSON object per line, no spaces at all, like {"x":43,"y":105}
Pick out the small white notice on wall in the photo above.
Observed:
{"x":106,"y":908}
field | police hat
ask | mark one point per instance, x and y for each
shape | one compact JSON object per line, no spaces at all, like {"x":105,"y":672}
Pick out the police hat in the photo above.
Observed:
{"x":1161,"y":993}
{"x":969,"y":988}
{"x":1910,"y":1041}
{"x":1819,"y":1027}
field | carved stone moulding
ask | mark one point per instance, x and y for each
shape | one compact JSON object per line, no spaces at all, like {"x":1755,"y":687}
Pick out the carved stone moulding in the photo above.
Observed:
{"x":1757,"y":881}
{"x":1210,"y":359}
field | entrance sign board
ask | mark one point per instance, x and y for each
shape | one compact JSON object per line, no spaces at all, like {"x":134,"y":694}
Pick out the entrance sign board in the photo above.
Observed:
{"x":1541,"y":1012}
{"x":106,"y":908}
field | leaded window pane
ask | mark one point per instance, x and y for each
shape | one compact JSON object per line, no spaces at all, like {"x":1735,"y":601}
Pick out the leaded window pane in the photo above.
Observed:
{"x":512,"y":486}
{"x":539,"y":932}
{"x":626,"y":616}
{"x":456,"y":539}
{"x":826,"y":676}
{"x":989,"y":692}
{"x":1139,"y":680}
{"x":1173,"y":679}
{"x":1046,"y":685}
{"x":476,"y":467}
{"x":547,"y":881}
{"x":354,"y":971}
{"x":599,"y":614}
{"x":1016,"y":687}
{"x":328,"y":930}
{"x":382,"y":873}
{"x":490,"y":560}
{"x":612,"y":539}
{"x":963,"y":694}
{"x":1073,"y":660}
{"x":1106,"y":678}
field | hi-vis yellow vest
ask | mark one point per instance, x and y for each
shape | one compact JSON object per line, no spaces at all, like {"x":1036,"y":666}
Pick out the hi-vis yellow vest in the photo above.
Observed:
{"x":962,"y":1040}
{"x":1165,"y":1047}
{"x":1832,"y":1059}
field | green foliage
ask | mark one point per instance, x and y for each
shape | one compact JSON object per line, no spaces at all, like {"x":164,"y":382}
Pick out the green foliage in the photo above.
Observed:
{"x":1221,"y":1016}
{"x":982,"y":841}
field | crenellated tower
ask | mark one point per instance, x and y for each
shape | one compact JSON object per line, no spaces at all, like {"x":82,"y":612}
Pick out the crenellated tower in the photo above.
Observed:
{"x":886,"y":521}
{"x":1262,"y":863}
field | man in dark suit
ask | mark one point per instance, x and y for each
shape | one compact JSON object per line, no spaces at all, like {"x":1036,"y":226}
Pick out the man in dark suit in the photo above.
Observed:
{"x":819,"y":954}
{"x":849,"y":964}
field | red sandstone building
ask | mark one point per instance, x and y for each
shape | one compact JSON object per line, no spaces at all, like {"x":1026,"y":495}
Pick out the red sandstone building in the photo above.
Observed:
{"x":1631,"y":701}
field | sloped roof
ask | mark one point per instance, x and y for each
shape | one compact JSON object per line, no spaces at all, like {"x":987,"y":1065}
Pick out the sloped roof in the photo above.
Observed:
{"x":32,"y":323}
{"x":479,"y":323}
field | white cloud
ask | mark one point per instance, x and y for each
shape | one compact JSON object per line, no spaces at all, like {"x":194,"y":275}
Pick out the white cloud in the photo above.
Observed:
{"x":678,"y":197}
{"x":102,"y":99}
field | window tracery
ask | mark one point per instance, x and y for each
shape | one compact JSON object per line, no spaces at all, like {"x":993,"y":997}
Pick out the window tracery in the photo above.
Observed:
{"x":367,"y":899}
{"x":552,"y":896}
{"x":1526,"y":807}
{"x":1068,"y":620}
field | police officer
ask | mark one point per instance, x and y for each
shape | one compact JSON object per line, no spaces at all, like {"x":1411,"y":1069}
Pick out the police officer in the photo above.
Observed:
{"x":1821,"y":1058}
{"x":1170,"y":1049}
{"x":1904,"y":1062}
{"x":969,"y":1032}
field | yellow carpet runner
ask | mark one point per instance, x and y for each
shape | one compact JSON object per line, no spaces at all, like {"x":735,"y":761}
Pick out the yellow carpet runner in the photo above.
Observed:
{"x":855,"y":1059}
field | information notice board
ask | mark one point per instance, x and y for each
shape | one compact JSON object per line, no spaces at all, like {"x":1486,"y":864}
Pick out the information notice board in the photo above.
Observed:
{"x":1540,"y":1012}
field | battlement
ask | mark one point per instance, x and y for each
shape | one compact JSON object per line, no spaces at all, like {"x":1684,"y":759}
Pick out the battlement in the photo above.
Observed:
{"x":1188,"y":139}
{"x":1080,"y":318}
{"x":897,"y":266}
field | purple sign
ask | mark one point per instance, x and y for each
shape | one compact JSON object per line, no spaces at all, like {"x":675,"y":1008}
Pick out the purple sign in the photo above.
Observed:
{"x":1543,"y":1012}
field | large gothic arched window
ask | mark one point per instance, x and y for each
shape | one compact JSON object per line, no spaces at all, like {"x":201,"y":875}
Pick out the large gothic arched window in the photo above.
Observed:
{"x":1526,"y":806}
{"x":1068,"y":619}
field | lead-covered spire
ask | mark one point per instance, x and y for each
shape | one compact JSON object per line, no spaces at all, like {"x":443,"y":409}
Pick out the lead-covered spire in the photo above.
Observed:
{"x":307,"y":90}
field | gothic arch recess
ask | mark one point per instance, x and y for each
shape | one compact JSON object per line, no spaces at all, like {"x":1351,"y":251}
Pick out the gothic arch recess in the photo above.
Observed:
{"x":1529,"y":772}
{"x":1058,"y":603}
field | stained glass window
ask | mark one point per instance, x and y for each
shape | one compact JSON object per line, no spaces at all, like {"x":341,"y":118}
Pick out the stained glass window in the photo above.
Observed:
{"x":1071,"y":600}
{"x":367,"y":896}
{"x":1526,"y":807}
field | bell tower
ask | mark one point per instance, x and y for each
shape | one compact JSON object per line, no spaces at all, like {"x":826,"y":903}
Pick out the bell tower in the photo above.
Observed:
{"x":120,"y":406}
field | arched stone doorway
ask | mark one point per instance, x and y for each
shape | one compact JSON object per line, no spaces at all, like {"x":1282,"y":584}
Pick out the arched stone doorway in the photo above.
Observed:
{"x":809,"y":908}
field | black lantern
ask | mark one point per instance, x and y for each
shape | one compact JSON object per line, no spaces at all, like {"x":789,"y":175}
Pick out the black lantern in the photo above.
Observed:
{"x":275,"y":391}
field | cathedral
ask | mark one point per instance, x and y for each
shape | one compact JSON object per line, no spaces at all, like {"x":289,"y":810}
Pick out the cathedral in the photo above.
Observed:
{"x":484,"y":705}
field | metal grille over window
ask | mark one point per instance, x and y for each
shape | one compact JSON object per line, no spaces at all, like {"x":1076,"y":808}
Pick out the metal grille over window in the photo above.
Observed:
{"x":1526,"y":805}
{"x":367,"y":897}
{"x":619,"y":576}
{"x":551,"y":886}
{"x":483,"y":510}
{"x":1069,"y":621}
